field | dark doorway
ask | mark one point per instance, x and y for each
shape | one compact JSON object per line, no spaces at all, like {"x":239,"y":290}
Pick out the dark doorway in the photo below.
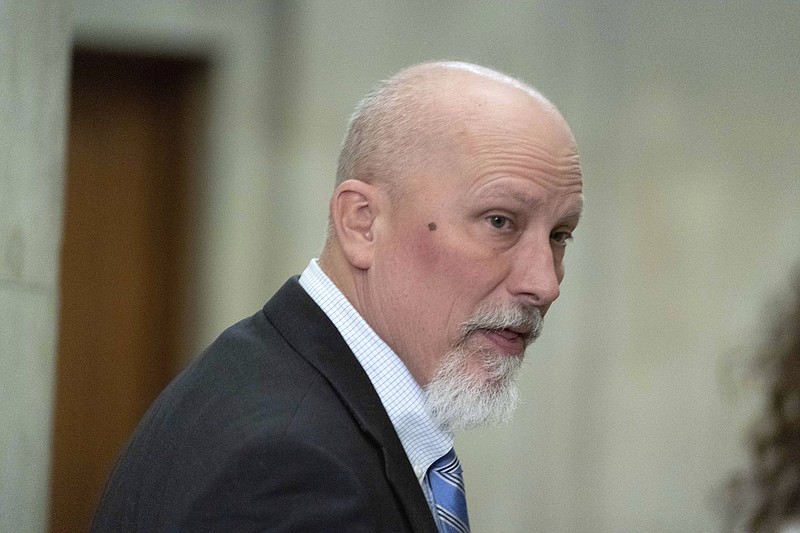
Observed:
{"x":134,"y":130}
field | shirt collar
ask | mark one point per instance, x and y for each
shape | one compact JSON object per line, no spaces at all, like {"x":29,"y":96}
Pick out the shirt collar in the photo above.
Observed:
{"x":423,"y":440}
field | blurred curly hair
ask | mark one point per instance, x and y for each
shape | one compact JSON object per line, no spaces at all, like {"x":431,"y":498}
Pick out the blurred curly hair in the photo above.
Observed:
{"x":766,"y":497}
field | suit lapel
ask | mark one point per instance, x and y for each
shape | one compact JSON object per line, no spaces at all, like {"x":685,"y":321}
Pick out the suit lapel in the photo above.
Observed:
{"x":309,"y":331}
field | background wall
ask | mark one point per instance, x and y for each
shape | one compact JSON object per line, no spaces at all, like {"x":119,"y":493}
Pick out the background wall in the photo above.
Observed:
{"x":636,"y":399}
{"x":34,"y":53}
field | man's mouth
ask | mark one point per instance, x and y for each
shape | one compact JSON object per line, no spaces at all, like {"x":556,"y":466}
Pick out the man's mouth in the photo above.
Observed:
{"x":511,"y":333}
{"x":506,"y":340}
{"x":504,"y":331}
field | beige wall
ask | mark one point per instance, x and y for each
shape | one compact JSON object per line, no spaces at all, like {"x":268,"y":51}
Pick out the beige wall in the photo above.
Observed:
{"x":634,"y":407}
{"x":34,"y":44}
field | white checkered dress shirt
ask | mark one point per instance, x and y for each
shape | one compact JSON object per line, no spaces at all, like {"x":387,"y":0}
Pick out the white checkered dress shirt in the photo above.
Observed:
{"x":404,"y":400}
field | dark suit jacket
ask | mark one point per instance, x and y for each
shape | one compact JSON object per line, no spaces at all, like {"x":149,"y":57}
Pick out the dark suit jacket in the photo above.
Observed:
{"x":276,"y":427}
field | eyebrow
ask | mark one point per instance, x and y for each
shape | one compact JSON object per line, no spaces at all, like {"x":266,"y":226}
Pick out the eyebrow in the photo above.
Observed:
{"x":527,"y":200}
{"x":576,"y":213}
{"x":521,"y":198}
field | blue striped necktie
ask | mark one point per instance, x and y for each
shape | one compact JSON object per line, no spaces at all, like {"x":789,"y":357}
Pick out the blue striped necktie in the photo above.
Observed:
{"x":447,"y":485}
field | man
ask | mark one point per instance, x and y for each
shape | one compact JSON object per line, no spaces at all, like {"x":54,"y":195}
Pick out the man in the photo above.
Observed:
{"x":330,"y":410}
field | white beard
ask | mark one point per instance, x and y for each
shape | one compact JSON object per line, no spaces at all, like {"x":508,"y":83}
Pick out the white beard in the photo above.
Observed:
{"x":458,"y":397}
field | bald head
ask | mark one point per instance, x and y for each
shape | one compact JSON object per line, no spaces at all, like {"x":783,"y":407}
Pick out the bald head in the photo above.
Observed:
{"x":413,"y":119}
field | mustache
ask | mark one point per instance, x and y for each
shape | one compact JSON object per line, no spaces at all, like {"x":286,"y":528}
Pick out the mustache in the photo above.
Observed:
{"x":525,"y":320}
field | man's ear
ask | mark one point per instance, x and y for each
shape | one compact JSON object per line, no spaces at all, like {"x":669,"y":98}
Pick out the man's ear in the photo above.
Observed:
{"x":354,"y":206}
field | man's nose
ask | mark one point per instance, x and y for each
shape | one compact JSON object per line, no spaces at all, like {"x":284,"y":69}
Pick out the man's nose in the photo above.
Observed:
{"x":536,"y":275}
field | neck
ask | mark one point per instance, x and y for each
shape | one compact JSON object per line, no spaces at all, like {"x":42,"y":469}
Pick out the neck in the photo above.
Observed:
{"x":342,"y":274}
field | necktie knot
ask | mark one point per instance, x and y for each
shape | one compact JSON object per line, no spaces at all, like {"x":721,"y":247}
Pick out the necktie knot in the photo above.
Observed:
{"x":447,"y":484}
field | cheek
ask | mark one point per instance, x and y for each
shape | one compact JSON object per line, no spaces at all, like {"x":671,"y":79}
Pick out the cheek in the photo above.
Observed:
{"x":438,"y":271}
{"x":443,"y":258}
{"x":424,"y":248}
{"x":448,"y":267}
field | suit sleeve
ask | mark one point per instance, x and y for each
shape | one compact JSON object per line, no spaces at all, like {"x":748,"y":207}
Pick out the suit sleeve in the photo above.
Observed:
{"x":282,"y":485}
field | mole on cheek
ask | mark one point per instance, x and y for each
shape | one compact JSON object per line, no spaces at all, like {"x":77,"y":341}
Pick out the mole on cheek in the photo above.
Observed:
{"x":432,"y":226}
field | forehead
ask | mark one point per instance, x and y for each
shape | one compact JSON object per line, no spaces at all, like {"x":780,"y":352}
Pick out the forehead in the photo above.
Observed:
{"x":495,"y":131}
{"x":545,"y":159}
{"x":499,"y":124}
{"x":504,"y":152}
{"x":563,"y":201}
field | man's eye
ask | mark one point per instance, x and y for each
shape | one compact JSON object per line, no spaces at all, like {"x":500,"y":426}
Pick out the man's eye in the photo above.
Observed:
{"x":498,"y":221}
{"x":561,"y":237}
